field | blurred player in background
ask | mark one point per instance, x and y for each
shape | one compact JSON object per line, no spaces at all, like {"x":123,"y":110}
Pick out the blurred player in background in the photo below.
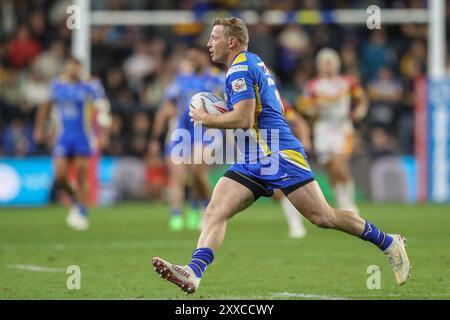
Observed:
{"x":196,"y":75}
{"x":255,"y":104}
{"x":76,"y":102}
{"x":335,"y":101}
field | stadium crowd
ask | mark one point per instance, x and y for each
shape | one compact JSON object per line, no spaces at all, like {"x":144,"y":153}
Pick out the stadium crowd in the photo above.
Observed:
{"x":136,"y":63}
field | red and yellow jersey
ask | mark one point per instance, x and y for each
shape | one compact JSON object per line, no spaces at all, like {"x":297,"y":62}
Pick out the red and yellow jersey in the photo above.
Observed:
{"x":330,"y":98}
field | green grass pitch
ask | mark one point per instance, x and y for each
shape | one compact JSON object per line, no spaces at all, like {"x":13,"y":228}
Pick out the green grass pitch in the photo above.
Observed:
{"x":257,"y":261}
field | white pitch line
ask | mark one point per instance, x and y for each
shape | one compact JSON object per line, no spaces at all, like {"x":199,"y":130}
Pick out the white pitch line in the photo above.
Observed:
{"x":102,"y":245}
{"x":306,"y":296}
{"x":34,"y":268}
{"x":280,"y":295}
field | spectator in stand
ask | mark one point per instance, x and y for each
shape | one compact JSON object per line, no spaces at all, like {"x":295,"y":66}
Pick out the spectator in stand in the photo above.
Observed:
{"x":350,"y":60}
{"x":385,"y":95}
{"x":294,"y":44}
{"x":121,"y":97}
{"x":139,"y":65}
{"x":10,"y":89}
{"x":381,"y":142}
{"x":18,"y":139}
{"x":3,"y":52}
{"x":49,"y":63}
{"x":376,"y":54}
{"x":116,"y":145}
{"x":23,"y":48}
{"x":38,"y":27}
{"x":416,"y":55}
{"x":412,"y":70}
{"x":140,"y":134}
{"x":263,"y":44}
{"x":34,"y":89}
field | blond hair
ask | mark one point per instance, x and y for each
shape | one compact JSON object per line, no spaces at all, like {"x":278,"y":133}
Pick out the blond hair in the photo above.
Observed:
{"x":234,"y":27}
{"x":328,"y":54}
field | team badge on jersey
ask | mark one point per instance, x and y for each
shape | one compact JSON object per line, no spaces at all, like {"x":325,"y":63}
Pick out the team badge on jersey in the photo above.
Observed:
{"x":239,"y":85}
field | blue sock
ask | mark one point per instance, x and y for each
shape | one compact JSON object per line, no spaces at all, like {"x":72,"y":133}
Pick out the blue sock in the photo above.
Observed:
{"x":194,"y":204}
{"x":204,"y":203}
{"x":376,"y":236}
{"x":83,"y":210}
{"x":201,"y":258}
{"x":175,"y":212}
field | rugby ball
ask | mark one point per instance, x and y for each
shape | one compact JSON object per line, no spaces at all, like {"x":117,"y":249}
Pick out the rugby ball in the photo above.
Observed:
{"x":213,"y":104}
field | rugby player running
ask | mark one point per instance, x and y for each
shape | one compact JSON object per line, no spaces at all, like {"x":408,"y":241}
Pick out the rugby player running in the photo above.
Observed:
{"x":252,"y":96}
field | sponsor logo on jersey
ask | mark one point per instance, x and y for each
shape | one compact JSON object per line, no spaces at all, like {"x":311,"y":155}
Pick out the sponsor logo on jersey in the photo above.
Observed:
{"x":239,"y":85}
{"x":264,"y":68}
{"x":237,"y":69}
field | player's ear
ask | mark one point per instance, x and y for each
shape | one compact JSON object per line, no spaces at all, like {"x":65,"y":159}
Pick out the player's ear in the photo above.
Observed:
{"x":232,"y":42}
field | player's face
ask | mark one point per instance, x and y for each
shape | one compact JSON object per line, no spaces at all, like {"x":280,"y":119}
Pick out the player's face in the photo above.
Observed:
{"x":328,"y":67}
{"x":218,"y":45}
{"x":196,"y":58}
{"x":72,"y":69}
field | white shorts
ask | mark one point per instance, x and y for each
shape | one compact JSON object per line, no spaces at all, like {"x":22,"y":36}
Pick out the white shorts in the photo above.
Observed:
{"x":331,"y":139}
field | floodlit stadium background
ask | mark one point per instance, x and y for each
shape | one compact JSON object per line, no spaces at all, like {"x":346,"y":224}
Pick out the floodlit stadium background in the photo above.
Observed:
{"x":402,"y":150}
{"x":134,"y":48}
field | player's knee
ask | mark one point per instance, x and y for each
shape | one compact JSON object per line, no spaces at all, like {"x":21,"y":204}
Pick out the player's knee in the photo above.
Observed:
{"x":213,"y":212}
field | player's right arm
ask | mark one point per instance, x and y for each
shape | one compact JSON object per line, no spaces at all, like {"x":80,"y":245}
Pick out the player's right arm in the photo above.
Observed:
{"x":167,"y":111}
{"x":42,"y":115}
{"x":241,"y":117}
{"x":162,"y":117}
{"x":242,"y":94}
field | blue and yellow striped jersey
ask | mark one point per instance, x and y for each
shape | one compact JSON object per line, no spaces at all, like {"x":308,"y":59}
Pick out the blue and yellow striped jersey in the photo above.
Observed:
{"x":74,"y":103}
{"x":249,"y":78}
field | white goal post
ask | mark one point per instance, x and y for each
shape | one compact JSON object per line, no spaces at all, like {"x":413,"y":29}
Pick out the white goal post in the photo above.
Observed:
{"x":434,"y":16}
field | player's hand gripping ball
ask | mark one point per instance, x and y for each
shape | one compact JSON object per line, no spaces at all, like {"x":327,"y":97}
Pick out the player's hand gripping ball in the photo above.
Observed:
{"x":206,"y":102}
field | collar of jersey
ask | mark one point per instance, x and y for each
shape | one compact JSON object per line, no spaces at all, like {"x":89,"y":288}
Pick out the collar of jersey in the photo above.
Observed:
{"x":237,"y":55}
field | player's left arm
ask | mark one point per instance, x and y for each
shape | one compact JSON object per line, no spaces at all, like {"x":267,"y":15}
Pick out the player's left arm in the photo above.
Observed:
{"x":103,"y":112}
{"x":360,"y":101}
{"x":104,"y":119}
{"x":242,"y":117}
{"x":306,"y":102}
